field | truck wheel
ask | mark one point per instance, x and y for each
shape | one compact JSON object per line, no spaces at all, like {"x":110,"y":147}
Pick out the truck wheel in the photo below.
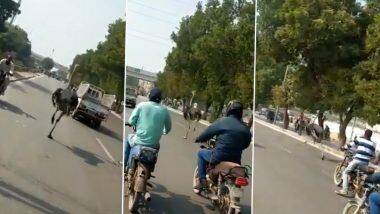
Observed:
{"x":96,"y":124}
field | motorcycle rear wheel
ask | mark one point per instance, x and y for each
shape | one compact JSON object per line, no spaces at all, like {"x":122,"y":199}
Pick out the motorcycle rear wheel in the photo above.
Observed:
{"x":196,"y":180}
{"x":133,"y":201}
{"x":338,"y":173}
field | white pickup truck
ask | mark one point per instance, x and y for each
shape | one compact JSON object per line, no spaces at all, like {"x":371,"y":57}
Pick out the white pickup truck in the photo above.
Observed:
{"x":93,"y":104}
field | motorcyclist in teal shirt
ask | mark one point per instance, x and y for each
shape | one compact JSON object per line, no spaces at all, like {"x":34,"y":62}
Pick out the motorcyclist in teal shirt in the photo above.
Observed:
{"x":151,"y":120}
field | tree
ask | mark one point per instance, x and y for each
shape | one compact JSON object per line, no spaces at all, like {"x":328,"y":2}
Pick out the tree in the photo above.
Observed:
{"x":104,"y":66}
{"x":8,"y":8}
{"x":213,"y":53}
{"x":324,"y":39}
{"x":16,"y":40}
{"x":47,"y":63}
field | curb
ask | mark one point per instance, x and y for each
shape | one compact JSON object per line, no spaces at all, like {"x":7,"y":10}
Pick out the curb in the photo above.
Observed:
{"x":23,"y":78}
{"x":320,"y":147}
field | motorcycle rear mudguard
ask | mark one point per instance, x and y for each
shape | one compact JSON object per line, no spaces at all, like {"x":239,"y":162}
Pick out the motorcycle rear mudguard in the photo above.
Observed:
{"x":142,"y":175}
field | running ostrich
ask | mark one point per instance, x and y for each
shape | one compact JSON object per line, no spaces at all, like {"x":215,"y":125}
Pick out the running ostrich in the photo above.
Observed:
{"x":65,"y":100}
{"x":191,"y":113}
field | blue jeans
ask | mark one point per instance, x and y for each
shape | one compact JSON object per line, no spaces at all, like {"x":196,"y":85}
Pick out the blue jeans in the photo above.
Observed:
{"x":204,"y":158}
{"x":130,"y":149}
{"x":374,"y":203}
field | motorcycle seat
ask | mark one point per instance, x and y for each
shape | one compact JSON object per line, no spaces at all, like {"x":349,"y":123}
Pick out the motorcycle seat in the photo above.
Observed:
{"x":227,"y":168}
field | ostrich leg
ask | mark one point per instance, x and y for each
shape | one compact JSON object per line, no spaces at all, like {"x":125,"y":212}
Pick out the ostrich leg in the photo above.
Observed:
{"x":188,"y":129}
{"x":55,"y":124}
{"x":53,"y":117}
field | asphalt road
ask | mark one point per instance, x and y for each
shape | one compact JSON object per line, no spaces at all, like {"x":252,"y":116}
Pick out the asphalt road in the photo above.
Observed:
{"x":291,"y":178}
{"x":174,"y":171}
{"x":71,"y":174}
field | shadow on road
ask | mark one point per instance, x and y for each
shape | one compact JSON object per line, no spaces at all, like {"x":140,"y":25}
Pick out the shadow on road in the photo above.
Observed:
{"x":17,"y":87}
{"x":259,"y":146}
{"x":106,"y":131}
{"x":164,"y":201}
{"x":8,"y":106}
{"x":38,"y":87}
{"x":12,"y":192}
{"x":88,"y":157}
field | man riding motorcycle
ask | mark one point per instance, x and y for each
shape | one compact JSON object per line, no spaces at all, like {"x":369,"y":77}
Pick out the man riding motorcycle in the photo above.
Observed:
{"x":374,"y":197}
{"x":364,"y":153}
{"x":6,"y":68}
{"x":151,"y":120}
{"x":233,"y":136}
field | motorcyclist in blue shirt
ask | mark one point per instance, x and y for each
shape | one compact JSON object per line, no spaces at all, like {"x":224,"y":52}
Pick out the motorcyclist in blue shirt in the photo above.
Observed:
{"x":232,"y":137}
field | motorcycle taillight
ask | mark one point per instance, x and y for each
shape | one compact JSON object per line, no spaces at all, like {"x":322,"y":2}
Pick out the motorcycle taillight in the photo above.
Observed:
{"x":241,"y":181}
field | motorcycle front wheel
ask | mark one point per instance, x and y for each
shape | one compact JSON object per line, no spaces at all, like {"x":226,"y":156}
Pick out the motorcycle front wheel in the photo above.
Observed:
{"x":196,"y":180}
{"x":352,"y":207}
{"x":338,"y":174}
{"x":133,"y":201}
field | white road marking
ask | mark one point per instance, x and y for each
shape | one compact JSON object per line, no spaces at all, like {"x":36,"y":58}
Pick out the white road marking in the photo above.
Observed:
{"x":117,"y":115}
{"x":105,"y":150}
{"x":286,"y":150}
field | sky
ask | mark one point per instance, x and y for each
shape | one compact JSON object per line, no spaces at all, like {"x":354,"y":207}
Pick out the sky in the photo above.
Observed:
{"x":149,"y":26}
{"x":70,"y":27}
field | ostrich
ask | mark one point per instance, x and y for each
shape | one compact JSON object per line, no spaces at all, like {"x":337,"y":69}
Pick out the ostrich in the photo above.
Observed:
{"x":65,"y":100}
{"x":191,"y":113}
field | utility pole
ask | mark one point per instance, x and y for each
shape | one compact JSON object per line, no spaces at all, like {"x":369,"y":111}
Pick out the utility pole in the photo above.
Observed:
{"x":14,"y":16}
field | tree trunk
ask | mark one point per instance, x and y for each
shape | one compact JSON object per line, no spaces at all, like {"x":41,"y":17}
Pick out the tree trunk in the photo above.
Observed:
{"x":342,"y":128}
{"x":286,"y":118}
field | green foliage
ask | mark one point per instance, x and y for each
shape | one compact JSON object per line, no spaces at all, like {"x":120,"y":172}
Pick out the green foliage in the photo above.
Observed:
{"x":213,"y":55}
{"x":8,"y":8}
{"x":104,"y":66}
{"x":16,"y":40}
{"x":333,"y":47}
{"x":47,"y":63}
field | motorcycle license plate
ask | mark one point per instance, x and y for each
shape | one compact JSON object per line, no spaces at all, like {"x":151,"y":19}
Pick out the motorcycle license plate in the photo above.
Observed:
{"x":236,"y":192}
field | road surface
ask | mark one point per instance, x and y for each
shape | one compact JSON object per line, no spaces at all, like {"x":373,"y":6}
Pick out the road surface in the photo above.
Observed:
{"x":174,"y":170}
{"x":72,"y":174}
{"x":291,"y":178}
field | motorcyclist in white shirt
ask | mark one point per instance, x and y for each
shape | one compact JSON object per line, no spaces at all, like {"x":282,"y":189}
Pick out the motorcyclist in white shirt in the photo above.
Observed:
{"x":6,"y":69}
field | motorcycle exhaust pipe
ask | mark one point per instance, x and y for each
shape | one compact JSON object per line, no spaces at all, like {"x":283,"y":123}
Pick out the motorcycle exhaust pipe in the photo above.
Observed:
{"x":148,"y":197}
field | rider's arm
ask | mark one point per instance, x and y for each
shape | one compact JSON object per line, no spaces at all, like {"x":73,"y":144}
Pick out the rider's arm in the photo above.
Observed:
{"x":168,"y":123}
{"x":134,"y":116}
{"x":211,"y":131}
{"x":12,"y":68}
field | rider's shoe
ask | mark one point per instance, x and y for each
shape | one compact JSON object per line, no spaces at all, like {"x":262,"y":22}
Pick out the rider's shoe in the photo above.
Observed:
{"x":342,"y":192}
{"x":201,"y":185}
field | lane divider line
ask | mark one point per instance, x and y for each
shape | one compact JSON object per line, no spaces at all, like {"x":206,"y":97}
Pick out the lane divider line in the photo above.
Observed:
{"x":116,"y":115}
{"x":105,"y":150}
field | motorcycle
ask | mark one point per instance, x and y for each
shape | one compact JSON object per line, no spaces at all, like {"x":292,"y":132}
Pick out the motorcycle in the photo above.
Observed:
{"x":3,"y":76}
{"x":357,"y":180}
{"x":137,"y":176}
{"x":360,"y":205}
{"x":225,"y":183}
{"x":340,"y":167}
